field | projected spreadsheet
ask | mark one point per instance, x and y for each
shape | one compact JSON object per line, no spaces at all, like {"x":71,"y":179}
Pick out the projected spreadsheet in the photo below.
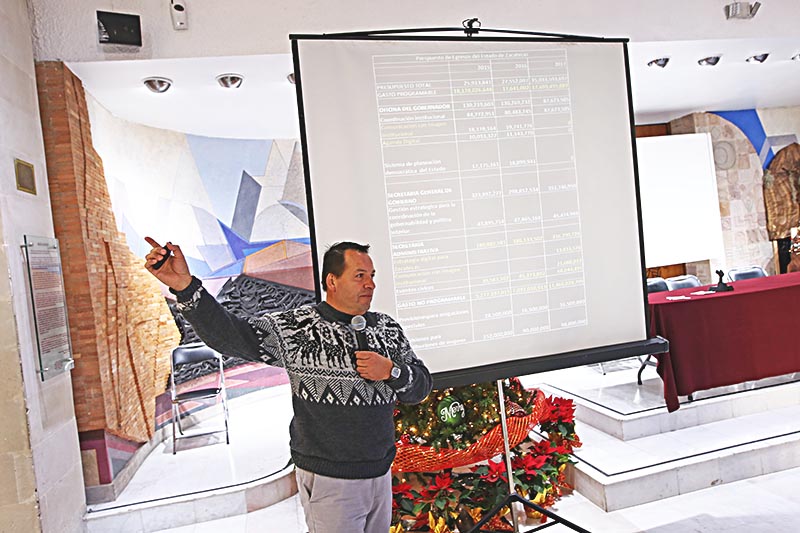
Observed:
{"x":481,"y":194}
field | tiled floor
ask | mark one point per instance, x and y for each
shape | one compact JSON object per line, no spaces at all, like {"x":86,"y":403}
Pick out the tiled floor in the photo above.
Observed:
{"x":765,"y":503}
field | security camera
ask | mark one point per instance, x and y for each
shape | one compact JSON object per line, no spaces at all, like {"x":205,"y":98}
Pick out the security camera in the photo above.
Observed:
{"x":177,"y":9}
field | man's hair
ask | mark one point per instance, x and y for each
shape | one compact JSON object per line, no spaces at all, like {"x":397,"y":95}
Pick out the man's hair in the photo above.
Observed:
{"x":333,"y":260}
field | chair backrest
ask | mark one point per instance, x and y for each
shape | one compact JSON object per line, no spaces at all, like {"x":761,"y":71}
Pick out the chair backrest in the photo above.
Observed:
{"x":683,"y":282}
{"x":656,"y":285}
{"x":193,"y":353}
{"x":735,"y":274}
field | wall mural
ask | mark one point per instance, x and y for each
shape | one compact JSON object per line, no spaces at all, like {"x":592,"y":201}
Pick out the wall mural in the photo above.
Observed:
{"x":237,"y":207}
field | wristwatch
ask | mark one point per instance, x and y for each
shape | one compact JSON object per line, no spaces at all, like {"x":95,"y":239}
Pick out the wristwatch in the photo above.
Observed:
{"x":395,"y":372}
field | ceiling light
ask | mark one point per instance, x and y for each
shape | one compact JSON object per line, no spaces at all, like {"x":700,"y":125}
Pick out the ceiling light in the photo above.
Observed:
{"x":157,"y":85}
{"x":760,"y":58}
{"x":290,"y":77}
{"x":230,"y":81}
{"x":741,"y":10}
{"x":709,"y":61}
{"x":660,"y":62}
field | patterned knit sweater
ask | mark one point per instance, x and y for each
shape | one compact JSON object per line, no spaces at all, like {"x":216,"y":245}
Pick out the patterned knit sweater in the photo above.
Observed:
{"x":343,"y":424}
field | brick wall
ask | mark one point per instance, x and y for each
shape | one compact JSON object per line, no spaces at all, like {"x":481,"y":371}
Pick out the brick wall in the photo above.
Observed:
{"x":121,"y":328}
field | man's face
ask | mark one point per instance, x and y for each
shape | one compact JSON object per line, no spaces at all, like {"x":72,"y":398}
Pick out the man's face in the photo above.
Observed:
{"x":351,"y":292}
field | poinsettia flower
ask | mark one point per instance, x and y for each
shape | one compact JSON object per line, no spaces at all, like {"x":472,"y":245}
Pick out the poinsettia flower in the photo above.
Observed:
{"x":441,"y":482}
{"x":496,"y":471}
{"x":543,"y":448}
{"x":561,"y":449}
{"x":533,"y":462}
{"x":404,"y":489}
{"x":565,"y":409}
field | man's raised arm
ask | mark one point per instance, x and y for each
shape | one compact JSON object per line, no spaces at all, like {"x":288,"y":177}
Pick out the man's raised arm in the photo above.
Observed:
{"x":215,"y":325}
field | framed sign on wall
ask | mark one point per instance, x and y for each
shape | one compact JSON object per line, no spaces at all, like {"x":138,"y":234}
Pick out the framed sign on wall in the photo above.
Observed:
{"x":49,"y":306}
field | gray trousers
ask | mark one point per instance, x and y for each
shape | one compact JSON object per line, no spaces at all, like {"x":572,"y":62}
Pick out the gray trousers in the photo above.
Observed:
{"x":335,"y":505}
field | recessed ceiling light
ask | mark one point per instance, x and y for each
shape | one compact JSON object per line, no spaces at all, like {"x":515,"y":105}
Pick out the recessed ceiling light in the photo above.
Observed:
{"x":660,"y":62}
{"x":230,"y":81}
{"x":758,"y":58}
{"x":709,"y":61}
{"x":157,"y":84}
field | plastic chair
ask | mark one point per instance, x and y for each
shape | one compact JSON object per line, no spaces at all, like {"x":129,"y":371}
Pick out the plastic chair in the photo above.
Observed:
{"x":189,"y":354}
{"x":682,"y":282}
{"x":735,"y":274}
{"x":656,"y":285}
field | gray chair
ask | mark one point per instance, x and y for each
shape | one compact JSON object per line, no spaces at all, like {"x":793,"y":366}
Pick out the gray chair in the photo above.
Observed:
{"x":735,"y":274}
{"x":656,"y":285}
{"x":683,"y":282}
{"x":192,"y":354}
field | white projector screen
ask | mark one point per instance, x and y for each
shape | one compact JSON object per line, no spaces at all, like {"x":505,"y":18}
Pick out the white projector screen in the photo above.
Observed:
{"x":494,"y":181}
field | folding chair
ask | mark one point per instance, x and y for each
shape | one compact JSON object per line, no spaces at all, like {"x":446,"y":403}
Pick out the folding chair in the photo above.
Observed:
{"x":735,"y":274}
{"x":189,"y":354}
{"x":683,"y":282}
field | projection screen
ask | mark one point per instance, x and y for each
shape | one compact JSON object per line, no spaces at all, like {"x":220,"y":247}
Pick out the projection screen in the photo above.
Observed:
{"x":495,"y":182}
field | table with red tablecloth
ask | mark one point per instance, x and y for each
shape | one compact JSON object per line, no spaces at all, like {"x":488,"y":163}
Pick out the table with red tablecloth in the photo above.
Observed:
{"x":729,"y":337}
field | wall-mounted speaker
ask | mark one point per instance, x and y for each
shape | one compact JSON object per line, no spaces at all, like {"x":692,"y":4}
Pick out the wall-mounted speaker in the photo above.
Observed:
{"x":119,"y":28}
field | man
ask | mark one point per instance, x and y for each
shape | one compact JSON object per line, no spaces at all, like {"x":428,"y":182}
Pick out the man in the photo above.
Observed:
{"x":342,"y":434}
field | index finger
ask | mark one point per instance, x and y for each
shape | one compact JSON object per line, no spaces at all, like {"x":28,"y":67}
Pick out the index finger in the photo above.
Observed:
{"x":152,"y":242}
{"x":362,"y":354}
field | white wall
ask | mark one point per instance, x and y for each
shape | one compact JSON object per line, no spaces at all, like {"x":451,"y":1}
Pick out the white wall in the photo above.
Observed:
{"x":51,"y":422}
{"x":66,"y":29}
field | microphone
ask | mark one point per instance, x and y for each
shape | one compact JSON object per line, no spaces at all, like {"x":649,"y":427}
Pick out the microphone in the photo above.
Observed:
{"x":359,"y":324}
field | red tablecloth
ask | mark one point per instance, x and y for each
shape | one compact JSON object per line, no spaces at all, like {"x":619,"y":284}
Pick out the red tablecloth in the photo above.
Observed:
{"x":727,"y":338}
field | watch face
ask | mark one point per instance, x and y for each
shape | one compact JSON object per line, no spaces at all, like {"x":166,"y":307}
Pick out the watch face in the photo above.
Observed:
{"x":395,"y":372}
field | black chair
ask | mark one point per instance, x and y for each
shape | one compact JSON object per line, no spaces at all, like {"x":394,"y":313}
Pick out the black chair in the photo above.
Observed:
{"x":656,"y":285}
{"x":189,"y":354}
{"x":735,"y":274}
{"x":683,"y":282}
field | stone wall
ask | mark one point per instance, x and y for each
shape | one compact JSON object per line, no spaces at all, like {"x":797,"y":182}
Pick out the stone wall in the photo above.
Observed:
{"x":740,"y":182}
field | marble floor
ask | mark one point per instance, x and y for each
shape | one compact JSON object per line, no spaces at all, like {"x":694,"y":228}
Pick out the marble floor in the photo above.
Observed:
{"x":259,"y":435}
{"x":613,"y":386}
{"x":768,"y":503}
{"x":764,"y":503}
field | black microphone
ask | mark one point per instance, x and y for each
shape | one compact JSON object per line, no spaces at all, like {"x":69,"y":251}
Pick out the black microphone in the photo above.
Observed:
{"x":359,"y":324}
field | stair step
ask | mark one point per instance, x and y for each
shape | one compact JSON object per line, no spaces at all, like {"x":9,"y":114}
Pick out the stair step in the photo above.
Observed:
{"x":615,"y":474}
{"x":648,"y":420}
{"x":194,"y":508}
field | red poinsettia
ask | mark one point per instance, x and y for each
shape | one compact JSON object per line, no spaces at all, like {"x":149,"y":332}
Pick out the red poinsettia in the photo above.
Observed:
{"x":558,"y":410}
{"x":543,"y":447}
{"x":442,"y":482}
{"x":565,"y":409}
{"x":402,"y":489}
{"x":497,"y":471}
{"x":532,"y":462}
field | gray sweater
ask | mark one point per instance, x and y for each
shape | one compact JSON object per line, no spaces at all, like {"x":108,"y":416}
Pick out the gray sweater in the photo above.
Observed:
{"x":343,"y":424}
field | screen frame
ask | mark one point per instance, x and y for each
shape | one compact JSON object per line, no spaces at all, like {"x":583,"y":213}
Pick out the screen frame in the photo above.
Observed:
{"x":530,"y":365}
